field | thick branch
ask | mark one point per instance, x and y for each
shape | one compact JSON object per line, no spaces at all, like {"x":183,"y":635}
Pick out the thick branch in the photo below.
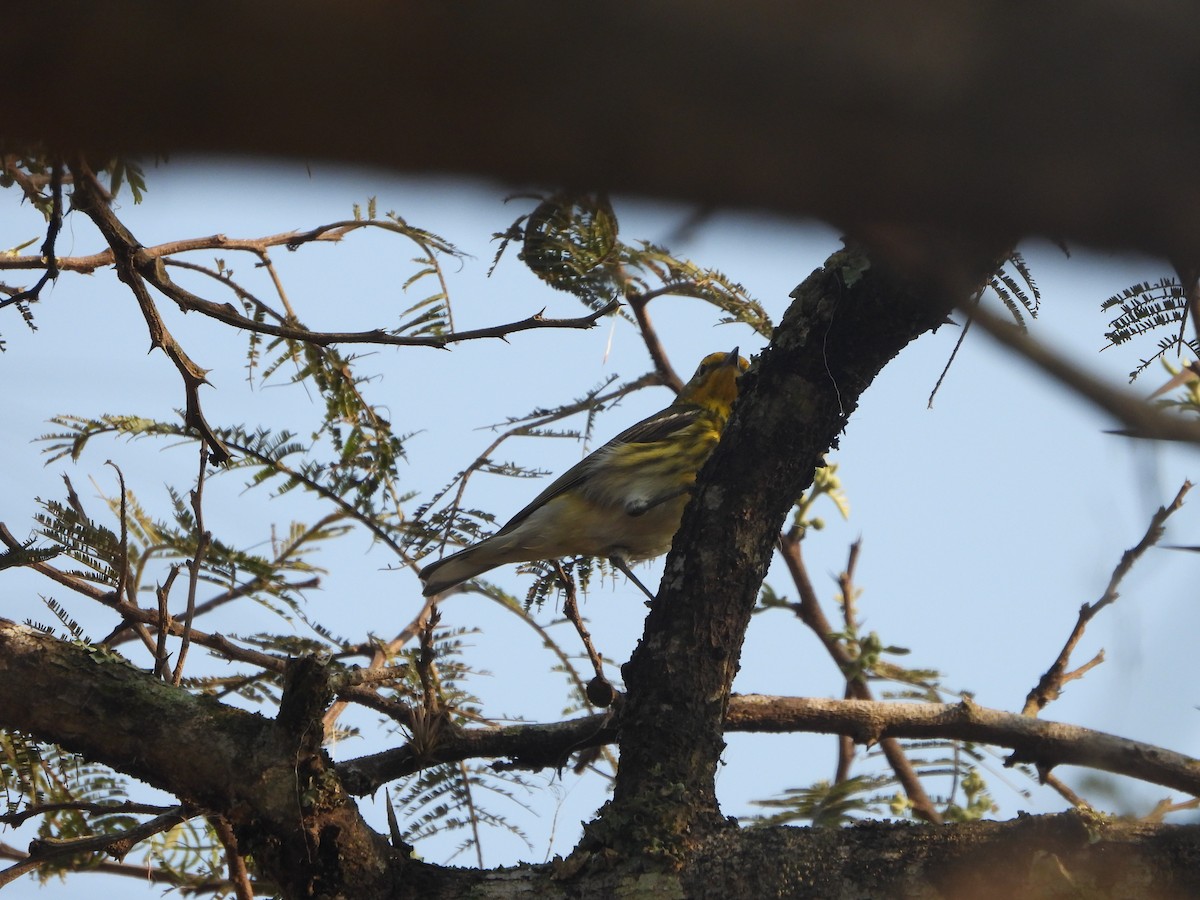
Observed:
{"x":1043,"y":743}
{"x":253,"y":771}
{"x":984,"y":119}
{"x":849,"y":319}
{"x":250,"y":766}
{"x":1033,"y":858}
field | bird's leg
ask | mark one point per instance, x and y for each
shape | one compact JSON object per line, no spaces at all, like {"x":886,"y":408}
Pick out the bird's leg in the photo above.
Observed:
{"x":622,"y":566}
{"x":641,"y":507}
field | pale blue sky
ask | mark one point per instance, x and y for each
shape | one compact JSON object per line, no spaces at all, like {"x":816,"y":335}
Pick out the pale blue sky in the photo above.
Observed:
{"x":986,"y":521}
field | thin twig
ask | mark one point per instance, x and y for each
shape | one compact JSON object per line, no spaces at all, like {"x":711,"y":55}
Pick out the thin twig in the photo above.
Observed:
{"x":48,"y":258}
{"x":203,"y":538}
{"x":1050,"y":685}
{"x":962,"y":337}
{"x":849,"y":591}
{"x":127,"y":807}
{"x":123,"y":585}
{"x":378,"y":670}
{"x":600,"y":691}
{"x":137,"y":615}
{"x":234,"y":593}
{"x":1053,"y":781}
{"x":269,"y":265}
{"x":162,"y":592}
{"x":845,"y":751}
{"x":426,"y":662}
{"x":662,"y":365}
{"x":239,"y":876}
{"x":809,"y":611}
{"x":87,"y":265}
{"x":116,"y":845}
{"x":149,"y":261}
{"x":131,"y":269}
{"x":1189,"y":282}
{"x":1167,"y":806}
{"x":845,"y":746}
{"x":149,"y":874}
{"x":468,"y":797}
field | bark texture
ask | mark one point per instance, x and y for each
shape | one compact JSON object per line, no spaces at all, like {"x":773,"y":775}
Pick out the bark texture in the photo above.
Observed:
{"x":269,"y":778}
{"x":847,"y":321}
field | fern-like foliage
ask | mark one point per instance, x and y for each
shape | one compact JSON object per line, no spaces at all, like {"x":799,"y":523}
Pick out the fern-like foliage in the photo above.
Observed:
{"x":79,"y":798}
{"x":828,"y":804}
{"x":447,"y":798}
{"x":1150,"y":307}
{"x":451,"y":796}
{"x":275,"y":458}
{"x":190,"y":855}
{"x":26,"y":555}
{"x":366,"y":449}
{"x":78,"y":431}
{"x":1017,"y":290}
{"x":571,"y":242}
{"x":272,"y":579}
{"x":653,"y":270}
{"x":93,"y":546}
{"x":1015,"y":287}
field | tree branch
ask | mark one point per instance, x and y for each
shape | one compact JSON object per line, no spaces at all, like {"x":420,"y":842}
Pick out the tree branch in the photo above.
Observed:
{"x":144,"y":873}
{"x":1141,"y":419}
{"x":1049,"y":686}
{"x":1043,"y":743}
{"x":809,"y":611}
{"x":839,"y":121}
{"x":849,"y":319}
{"x":89,"y":198}
{"x":254,"y":771}
{"x":229,"y":315}
{"x":48,"y":257}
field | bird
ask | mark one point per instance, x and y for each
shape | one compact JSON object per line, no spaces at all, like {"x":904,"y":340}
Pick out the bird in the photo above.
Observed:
{"x":624,"y":500}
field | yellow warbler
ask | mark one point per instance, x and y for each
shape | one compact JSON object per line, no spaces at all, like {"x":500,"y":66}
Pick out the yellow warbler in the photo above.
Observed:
{"x":625,"y":500}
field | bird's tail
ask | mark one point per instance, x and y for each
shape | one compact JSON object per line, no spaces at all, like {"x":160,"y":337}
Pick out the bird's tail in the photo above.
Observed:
{"x":458,"y":567}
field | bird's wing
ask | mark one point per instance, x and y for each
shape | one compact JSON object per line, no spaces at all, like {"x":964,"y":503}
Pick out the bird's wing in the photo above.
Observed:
{"x":656,"y":428}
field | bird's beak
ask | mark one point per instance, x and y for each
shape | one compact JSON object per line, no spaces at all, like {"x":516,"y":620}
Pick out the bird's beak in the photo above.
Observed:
{"x":731,"y":358}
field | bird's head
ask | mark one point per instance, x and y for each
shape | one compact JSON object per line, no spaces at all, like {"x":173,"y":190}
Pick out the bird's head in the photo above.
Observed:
{"x":715,"y":383}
